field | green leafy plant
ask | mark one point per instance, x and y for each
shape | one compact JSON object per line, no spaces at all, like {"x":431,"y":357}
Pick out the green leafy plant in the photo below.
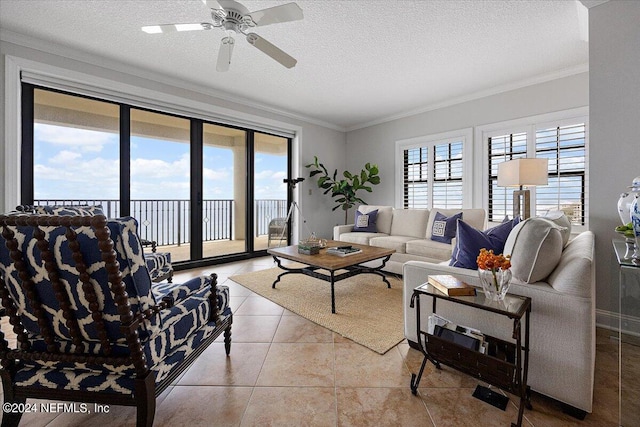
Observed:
{"x":344,"y":190}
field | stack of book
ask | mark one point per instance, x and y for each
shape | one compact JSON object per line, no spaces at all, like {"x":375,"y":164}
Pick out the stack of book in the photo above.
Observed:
{"x":343,"y":250}
{"x":451,"y":286}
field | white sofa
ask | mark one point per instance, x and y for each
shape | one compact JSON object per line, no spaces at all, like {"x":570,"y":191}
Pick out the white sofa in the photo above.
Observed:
{"x":562,"y":330}
{"x":408,"y":232}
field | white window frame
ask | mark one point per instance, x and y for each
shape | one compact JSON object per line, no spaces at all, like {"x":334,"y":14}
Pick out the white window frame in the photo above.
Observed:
{"x":529,"y":125}
{"x":430,"y":141}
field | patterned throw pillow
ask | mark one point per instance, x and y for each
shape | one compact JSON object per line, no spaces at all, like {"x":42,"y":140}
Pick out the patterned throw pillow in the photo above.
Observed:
{"x":61,"y":210}
{"x":444,"y":228}
{"x":366,"y":222}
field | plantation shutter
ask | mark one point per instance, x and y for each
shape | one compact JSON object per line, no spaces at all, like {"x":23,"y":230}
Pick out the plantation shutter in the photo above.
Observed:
{"x":416,"y":178}
{"x":447,"y":175}
{"x":501,"y":149}
{"x":564,"y":146}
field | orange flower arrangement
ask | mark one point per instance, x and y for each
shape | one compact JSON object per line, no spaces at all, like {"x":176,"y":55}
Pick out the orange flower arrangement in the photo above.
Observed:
{"x":487,"y":260}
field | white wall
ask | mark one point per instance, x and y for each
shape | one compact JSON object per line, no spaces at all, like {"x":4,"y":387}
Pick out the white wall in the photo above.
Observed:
{"x":376,"y":144}
{"x":614,"y":101}
{"x":329,"y":144}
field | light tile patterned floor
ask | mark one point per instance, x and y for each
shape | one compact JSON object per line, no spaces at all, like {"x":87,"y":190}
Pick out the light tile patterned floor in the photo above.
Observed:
{"x":287,"y":371}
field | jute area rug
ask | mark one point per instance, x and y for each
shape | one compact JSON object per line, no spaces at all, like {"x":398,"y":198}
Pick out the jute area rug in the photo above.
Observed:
{"x":367,"y":312}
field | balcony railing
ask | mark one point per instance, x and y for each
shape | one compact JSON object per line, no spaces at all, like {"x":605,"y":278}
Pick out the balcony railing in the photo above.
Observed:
{"x":167,"y":221}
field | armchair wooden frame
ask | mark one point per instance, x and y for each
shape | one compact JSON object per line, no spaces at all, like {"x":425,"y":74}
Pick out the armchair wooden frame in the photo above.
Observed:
{"x":146,"y":389}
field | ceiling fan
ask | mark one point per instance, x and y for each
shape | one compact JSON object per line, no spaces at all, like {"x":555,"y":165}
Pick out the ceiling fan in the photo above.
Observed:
{"x":234,"y":18}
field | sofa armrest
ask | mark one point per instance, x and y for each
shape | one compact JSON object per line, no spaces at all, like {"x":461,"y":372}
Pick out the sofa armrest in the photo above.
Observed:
{"x":339,"y":229}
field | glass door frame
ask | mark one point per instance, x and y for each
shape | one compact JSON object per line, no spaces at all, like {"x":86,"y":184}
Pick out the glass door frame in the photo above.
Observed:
{"x":196,"y":175}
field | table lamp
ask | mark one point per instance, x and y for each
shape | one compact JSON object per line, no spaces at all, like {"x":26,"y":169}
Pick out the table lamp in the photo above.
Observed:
{"x":519,"y":173}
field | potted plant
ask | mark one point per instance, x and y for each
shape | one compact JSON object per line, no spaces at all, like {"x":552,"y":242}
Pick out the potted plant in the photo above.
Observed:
{"x":344,"y":190}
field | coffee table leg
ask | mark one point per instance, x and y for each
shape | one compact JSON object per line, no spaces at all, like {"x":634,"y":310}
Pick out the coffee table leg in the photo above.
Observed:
{"x":333,"y":294}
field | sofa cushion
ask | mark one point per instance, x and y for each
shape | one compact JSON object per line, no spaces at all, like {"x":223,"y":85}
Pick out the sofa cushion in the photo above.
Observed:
{"x":443,"y":228}
{"x":429,"y":249}
{"x":474,"y":217}
{"x":410,"y":222}
{"x":469,"y":241}
{"x":535,"y":246}
{"x":359,"y":238}
{"x":385,"y":215}
{"x":366,"y":222}
{"x":391,"y":242}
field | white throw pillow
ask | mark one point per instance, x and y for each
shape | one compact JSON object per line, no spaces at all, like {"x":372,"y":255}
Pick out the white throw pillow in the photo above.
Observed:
{"x":561,"y":220}
{"x":535,"y":246}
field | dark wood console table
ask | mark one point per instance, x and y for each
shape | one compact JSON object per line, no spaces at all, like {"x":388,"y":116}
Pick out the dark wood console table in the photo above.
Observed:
{"x":504,"y":365}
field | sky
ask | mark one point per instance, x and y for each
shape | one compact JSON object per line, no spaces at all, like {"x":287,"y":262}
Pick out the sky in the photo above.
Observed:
{"x":72,"y":163}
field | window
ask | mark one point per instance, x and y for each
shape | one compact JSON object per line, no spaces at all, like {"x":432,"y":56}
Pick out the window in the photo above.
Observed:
{"x":559,"y":137}
{"x":501,"y":149}
{"x":564,"y":146}
{"x":200,"y":190}
{"x":416,"y":178}
{"x":431,"y":171}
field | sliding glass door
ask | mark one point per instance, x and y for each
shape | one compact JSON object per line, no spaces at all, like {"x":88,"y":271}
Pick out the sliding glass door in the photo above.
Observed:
{"x":271,"y":154}
{"x":200,"y":190}
{"x":75,"y":150}
{"x":224,"y":190}
{"x":160,"y":180}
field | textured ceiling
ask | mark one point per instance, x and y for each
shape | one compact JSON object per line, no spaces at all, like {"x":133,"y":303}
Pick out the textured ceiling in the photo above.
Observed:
{"x":359,"y":61}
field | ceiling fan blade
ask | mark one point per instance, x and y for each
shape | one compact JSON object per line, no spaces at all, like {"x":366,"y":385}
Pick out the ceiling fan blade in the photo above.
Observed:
{"x":212,"y":4}
{"x":224,"y":55}
{"x":271,"y":50}
{"x":173,"y":28}
{"x":273,"y":15}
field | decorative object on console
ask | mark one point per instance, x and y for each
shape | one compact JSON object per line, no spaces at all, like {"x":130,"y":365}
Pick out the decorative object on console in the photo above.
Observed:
{"x":495,"y":274}
{"x":344,"y":190}
{"x":625,"y":200}
{"x":523,"y":172}
{"x":444,"y":228}
{"x":635,"y":222}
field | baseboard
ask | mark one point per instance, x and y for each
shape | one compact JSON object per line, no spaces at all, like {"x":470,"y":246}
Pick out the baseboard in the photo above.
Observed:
{"x":617,"y":322}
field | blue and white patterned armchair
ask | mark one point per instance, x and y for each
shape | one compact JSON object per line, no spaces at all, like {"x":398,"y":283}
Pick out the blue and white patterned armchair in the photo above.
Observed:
{"x":90,"y":326}
{"x":158,"y":263}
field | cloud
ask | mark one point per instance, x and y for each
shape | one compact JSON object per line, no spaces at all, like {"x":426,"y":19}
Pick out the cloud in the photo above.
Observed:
{"x":65,"y":157}
{"x":79,"y":139}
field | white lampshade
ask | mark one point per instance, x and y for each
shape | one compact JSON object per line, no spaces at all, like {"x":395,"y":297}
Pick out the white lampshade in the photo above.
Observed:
{"x":525,"y":172}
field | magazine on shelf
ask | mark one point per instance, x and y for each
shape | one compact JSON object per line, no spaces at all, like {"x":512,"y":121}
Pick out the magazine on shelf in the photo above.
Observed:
{"x":459,"y":334}
{"x":343,"y":250}
{"x":451,"y":286}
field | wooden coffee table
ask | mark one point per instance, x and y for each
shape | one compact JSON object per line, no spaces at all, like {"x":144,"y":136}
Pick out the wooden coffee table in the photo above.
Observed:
{"x":332,"y":263}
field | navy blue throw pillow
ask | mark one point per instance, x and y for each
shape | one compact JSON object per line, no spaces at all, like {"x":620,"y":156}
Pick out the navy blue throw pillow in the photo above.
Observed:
{"x":366,"y":222}
{"x":469,"y":241}
{"x":444,"y":228}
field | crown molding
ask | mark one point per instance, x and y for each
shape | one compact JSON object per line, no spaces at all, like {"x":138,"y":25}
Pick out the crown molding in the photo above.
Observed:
{"x":592,"y":3}
{"x":583,"y":68}
{"x":135,"y":71}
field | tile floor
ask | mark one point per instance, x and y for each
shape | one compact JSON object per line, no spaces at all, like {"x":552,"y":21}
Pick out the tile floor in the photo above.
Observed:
{"x":286,"y":371}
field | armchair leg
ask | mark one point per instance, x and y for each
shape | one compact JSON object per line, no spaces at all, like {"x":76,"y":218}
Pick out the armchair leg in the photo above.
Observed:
{"x":10,"y":418}
{"x":146,"y":400}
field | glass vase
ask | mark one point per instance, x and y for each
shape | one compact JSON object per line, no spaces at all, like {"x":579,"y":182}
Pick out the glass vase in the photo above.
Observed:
{"x":495,"y":283}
